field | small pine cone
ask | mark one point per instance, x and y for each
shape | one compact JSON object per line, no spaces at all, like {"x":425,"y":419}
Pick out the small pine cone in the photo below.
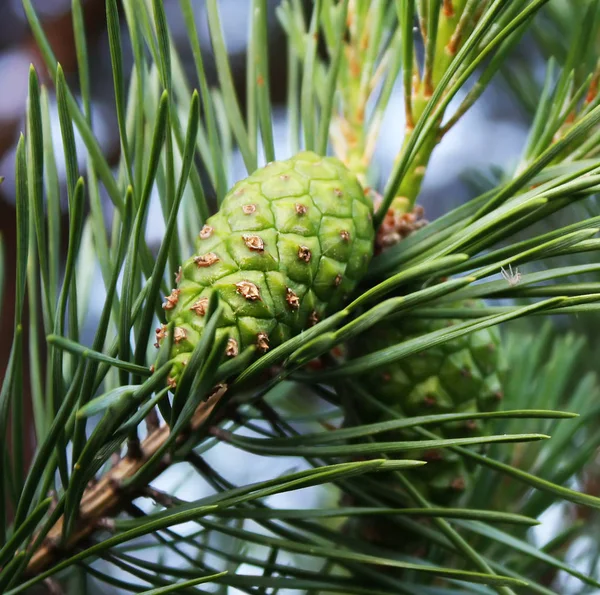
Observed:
{"x":462,"y":375}
{"x":288,"y":245}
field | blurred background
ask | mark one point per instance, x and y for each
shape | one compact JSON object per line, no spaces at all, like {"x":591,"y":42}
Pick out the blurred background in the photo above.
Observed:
{"x":491,"y":135}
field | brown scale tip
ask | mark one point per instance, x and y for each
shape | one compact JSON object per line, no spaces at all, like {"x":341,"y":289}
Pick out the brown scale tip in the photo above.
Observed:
{"x":262,"y":342}
{"x":429,"y":401}
{"x":206,"y":232}
{"x":178,"y":275}
{"x":179,"y":334}
{"x":315,"y":364}
{"x":304,"y":253}
{"x":313,"y":318}
{"x":432,"y":455}
{"x":232,"y":349}
{"x":338,"y":280}
{"x":292,"y":299}
{"x":337,"y":192}
{"x":199,"y":306}
{"x":206,"y":260}
{"x":152,"y":369}
{"x":172,"y":382}
{"x":471,"y":424}
{"x":466,"y":372}
{"x":337,"y":351}
{"x":249,"y":209}
{"x":386,"y":377}
{"x":171,"y":300}
{"x":499,"y":395}
{"x":160,"y":333}
{"x":345,"y":235}
{"x":254,"y":243}
{"x":458,"y":484}
{"x":300,"y":209}
{"x":248,"y":290}
{"x":284,"y":177}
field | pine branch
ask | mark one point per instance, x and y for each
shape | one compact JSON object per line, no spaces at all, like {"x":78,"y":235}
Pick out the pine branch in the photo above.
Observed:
{"x":112,"y":493}
{"x":167,"y":144}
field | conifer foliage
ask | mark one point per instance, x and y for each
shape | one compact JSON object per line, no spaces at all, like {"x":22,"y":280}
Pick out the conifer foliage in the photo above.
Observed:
{"x":447,"y":432}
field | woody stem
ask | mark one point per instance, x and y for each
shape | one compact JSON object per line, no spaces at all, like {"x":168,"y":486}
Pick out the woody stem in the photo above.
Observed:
{"x":107,"y":497}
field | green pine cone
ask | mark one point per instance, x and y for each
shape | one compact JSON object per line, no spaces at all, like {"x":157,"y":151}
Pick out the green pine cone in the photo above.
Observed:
{"x":462,"y":375}
{"x":287,"y":247}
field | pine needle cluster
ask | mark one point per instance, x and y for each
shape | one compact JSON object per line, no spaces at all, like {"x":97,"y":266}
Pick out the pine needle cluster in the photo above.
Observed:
{"x":108,"y":423}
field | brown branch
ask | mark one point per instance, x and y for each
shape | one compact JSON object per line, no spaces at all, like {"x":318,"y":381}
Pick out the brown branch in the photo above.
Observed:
{"x":54,"y":588}
{"x":106,"y":497}
{"x":160,"y":497}
{"x":152,"y":421}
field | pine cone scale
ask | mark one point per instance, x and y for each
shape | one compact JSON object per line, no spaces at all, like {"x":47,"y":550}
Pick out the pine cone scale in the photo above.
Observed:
{"x":286,"y":248}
